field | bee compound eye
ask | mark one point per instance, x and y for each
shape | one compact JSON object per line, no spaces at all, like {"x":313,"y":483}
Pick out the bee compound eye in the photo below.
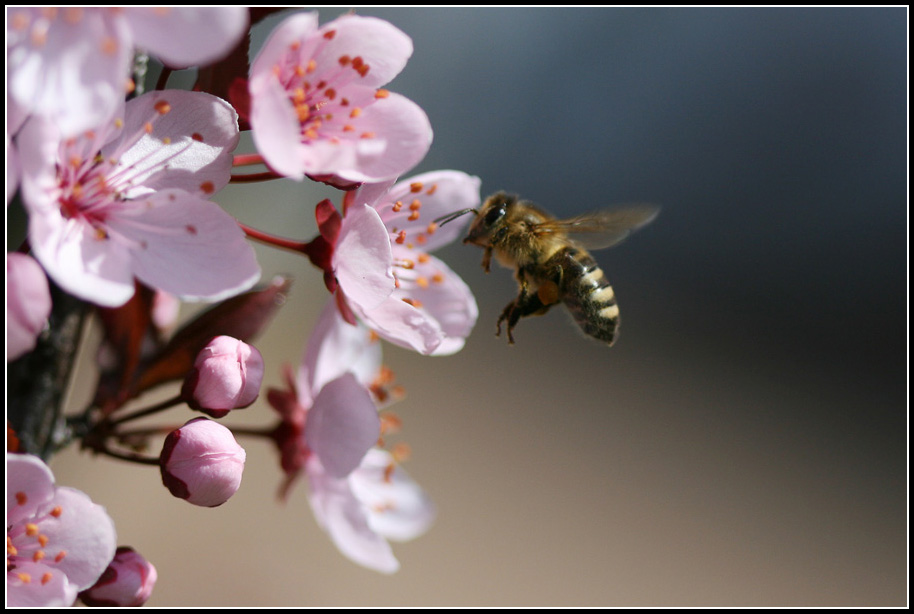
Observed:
{"x":495,"y":214}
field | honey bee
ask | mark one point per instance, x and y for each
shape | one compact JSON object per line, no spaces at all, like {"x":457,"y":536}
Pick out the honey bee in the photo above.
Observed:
{"x":550,"y":258}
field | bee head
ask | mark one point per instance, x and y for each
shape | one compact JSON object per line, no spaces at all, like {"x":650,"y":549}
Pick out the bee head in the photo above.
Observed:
{"x":489,"y":218}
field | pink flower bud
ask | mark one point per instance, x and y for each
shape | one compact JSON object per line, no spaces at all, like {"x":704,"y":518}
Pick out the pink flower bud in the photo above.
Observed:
{"x":226,"y":375}
{"x":28,"y":304}
{"x":127,"y":582}
{"x":202,"y":462}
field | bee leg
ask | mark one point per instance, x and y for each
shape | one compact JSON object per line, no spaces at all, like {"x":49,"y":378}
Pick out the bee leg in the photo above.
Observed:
{"x":487,"y":258}
{"x":507,"y":314}
{"x":524,"y":305}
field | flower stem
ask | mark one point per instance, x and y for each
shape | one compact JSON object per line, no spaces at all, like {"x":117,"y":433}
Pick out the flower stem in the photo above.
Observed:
{"x":247,"y":159}
{"x":254,"y":177}
{"x":37,"y":382}
{"x":148,"y":410}
{"x":130,"y":457}
{"x":163,"y":78}
{"x":268,"y":239}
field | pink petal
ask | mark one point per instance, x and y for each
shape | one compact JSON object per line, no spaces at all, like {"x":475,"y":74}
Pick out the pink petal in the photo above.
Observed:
{"x":405,"y":132}
{"x":93,"y":269}
{"x":398,"y":507}
{"x":342,"y":516}
{"x":276,"y":130}
{"x":29,"y":484}
{"x":295,"y":30}
{"x":443,"y":297}
{"x":404,"y":325}
{"x":190,"y":146}
{"x":12,"y":170}
{"x":362,"y":259}
{"x":383,"y":47}
{"x":84,"y":531}
{"x":376,"y":194}
{"x":71,"y":68}
{"x":188,"y":246}
{"x":185,"y":36}
{"x":48,"y":587}
{"x":438,"y":193}
{"x":433,"y":310}
{"x":334,"y":348}
{"x":38,"y":146}
{"x":342,"y":425}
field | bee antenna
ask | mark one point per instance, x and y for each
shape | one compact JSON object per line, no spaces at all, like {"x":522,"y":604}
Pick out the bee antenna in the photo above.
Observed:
{"x":450,"y":217}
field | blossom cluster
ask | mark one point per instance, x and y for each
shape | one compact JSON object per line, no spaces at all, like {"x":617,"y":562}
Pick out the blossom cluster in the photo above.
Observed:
{"x":118,"y":187}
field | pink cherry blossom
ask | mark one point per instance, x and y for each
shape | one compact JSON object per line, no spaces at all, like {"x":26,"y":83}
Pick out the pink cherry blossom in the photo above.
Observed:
{"x":71,"y":64}
{"x":202,"y":463}
{"x":127,"y":582}
{"x":129,"y":200}
{"x":359,"y":495}
{"x":328,"y":408}
{"x":28,"y":304}
{"x":376,"y":502}
{"x":226,"y":375}
{"x":316,"y":106}
{"x":431,"y":310}
{"x":380,"y":266}
{"x":354,"y":253}
{"x":57,"y":541}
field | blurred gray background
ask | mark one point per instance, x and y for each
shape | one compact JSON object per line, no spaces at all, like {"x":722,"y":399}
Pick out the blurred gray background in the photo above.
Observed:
{"x":743,"y":444}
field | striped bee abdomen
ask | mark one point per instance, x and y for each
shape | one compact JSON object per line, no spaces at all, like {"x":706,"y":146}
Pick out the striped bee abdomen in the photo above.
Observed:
{"x":588,"y":295}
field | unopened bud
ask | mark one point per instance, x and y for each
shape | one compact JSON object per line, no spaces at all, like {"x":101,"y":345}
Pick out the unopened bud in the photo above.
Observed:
{"x":28,"y":304}
{"x":226,"y":375}
{"x":202,"y":463}
{"x":127,"y":582}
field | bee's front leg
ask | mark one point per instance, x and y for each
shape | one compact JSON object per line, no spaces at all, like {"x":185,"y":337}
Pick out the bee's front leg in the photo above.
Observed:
{"x":487,"y":258}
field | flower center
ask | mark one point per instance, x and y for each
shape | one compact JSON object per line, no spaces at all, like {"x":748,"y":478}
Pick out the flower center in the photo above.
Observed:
{"x":323,"y":105}
{"x":94,"y":188}
{"x":86,"y":194}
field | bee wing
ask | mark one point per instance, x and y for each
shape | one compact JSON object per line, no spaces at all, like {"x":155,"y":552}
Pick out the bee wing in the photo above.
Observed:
{"x":604,"y":227}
